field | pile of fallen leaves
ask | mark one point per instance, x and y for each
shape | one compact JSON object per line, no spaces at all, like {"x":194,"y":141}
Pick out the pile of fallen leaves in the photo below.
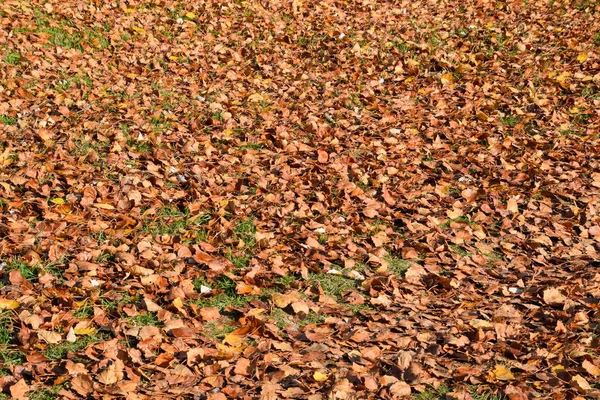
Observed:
{"x":300,"y":199}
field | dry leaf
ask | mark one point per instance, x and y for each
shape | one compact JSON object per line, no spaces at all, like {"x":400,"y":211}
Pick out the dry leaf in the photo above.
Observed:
{"x":591,"y":368}
{"x":502,"y":373}
{"x":579,"y":383}
{"x":82,"y":384}
{"x":320,"y":376}
{"x":8,"y":304}
{"x":50,"y":336}
{"x":554,"y":297}
{"x":19,"y":389}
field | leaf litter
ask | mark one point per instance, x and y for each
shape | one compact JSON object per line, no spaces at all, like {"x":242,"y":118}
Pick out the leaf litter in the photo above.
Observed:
{"x":230,"y":199}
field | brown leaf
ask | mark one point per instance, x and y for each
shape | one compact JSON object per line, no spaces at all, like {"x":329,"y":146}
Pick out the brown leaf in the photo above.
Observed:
{"x":579,"y":383}
{"x":112,"y":374}
{"x":241,"y":366}
{"x":50,"y":337}
{"x":19,"y":389}
{"x":400,"y":389}
{"x":554,"y":297}
{"x":82,"y":384}
{"x":210,"y":314}
{"x":284,"y":300}
{"x":502,"y":373}
{"x":591,"y":368}
{"x":323,"y":156}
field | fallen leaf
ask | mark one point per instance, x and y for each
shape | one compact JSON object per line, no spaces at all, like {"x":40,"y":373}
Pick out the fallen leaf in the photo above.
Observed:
{"x":82,"y":384}
{"x":8,"y":304}
{"x":554,"y":297}
{"x":591,"y":368}
{"x":580,"y":384}
{"x":320,"y":376}
{"x":502,"y":373}
{"x":50,"y":336}
{"x":19,"y":389}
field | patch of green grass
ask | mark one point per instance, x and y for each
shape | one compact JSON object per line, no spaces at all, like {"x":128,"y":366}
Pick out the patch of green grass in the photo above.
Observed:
{"x":245,"y":230}
{"x":62,"y":38}
{"x":140,"y":146}
{"x":173,"y":221}
{"x":28,"y":272}
{"x":333,"y":285}
{"x":45,"y":394}
{"x":464,"y":219}
{"x":323,"y":238}
{"x":227,"y":298}
{"x":12,"y":58}
{"x":82,"y":147}
{"x":443,"y":390}
{"x":460,"y":250}
{"x":223,"y":301}
{"x":198,"y":283}
{"x":432,"y":394}
{"x":11,"y":357}
{"x":570,"y":132}
{"x":251,"y":146}
{"x":312,"y":318}
{"x":510,"y":120}
{"x":104,"y":258}
{"x":62,"y":349}
{"x":356,"y":308}
{"x":216,"y":331}
{"x":7,"y":120}
{"x":281,"y":318}
{"x":5,"y":330}
{"x":397,"y":266}
{"x":596,"y":38}
{"x":108,"y":304}
{"x":285,"y":280}
{"x":582,"y":119}
{"x":149,"y":318}
{"x":239,"y":261}
{"x":486,"y":395}
{"x":54,"y":269}
{"x":85,"y":311}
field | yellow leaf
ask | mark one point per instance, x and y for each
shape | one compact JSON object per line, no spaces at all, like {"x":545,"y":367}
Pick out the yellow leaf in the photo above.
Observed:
{"x":57,"y":200}
{"x":455,"y":213}
{"x":284,"y":300}
{"x":104,"y":206}
{"x":447,"y":79}
{"x":227,"y":352}
{"x":190,"y":15}
{"x":480,"y":323}
{"x":233,"y":340}
{"x":319,"y":376}
{"x":255,"y":97}
{"x":512,"y":206}
{"x":502,"y":373}
{"x":173,"y":58}
{"x":178,"y":302}
{"x":582,"y":57}
{"x":84,"y":331}
{"x":8,"y":304}
{"x":482,"y":116}
{"x":139,"y":30}
{"x":50,"y":336}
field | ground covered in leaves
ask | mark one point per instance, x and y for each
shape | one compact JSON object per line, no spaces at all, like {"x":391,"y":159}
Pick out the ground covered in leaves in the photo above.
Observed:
{"x":299,"y":199}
